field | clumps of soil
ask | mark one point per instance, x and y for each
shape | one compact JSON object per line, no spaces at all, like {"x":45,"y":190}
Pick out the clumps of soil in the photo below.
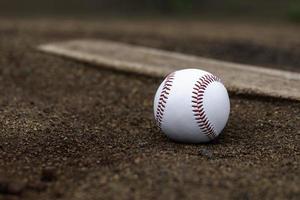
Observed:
{"x":72,"y":131}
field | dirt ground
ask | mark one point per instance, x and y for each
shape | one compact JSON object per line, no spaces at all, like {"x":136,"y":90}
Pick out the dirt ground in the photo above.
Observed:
{"x":73,"y":131}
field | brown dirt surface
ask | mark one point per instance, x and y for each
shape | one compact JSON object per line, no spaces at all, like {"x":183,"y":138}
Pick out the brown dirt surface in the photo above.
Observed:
{"x":272,"y":45}
{"x":73,"y":131}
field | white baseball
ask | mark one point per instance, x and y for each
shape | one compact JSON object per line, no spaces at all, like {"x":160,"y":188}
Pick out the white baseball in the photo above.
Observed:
{"x":191,"y":106}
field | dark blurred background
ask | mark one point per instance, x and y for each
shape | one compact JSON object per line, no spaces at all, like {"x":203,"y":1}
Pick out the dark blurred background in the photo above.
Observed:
{"x":283,"y":10}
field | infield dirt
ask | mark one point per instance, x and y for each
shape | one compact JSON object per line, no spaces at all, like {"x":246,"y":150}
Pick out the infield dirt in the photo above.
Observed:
{"x":72,"y":131}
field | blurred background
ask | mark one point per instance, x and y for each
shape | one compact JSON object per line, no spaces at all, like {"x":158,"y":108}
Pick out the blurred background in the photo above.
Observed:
{"x":258,"y":32}
{"x":270,"y":10}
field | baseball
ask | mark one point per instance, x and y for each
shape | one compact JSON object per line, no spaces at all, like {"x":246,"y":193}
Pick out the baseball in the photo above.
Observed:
{"x":191,"y":106}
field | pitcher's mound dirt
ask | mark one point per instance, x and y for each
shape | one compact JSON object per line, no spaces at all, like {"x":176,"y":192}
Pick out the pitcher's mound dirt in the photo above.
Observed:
{"x":71,"y":131}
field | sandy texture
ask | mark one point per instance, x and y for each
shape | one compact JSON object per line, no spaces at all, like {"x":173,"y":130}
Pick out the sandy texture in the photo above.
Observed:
{"x":72,"y":131}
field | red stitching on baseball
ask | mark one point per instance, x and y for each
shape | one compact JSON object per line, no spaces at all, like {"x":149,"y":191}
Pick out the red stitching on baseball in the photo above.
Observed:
{"x":164,"y":95}
{"x":197,"y":103}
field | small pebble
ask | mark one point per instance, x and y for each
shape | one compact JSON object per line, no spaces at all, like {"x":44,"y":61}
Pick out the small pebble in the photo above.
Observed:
{"x":11,"y":188}
{"x":206,"y":153}
{"x":48,"y":174}
{"x":37,"y":186}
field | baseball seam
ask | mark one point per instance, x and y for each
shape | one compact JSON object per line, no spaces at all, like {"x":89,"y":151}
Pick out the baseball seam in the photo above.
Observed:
{"x":198,"y":108}
{"x":163,"y":97}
